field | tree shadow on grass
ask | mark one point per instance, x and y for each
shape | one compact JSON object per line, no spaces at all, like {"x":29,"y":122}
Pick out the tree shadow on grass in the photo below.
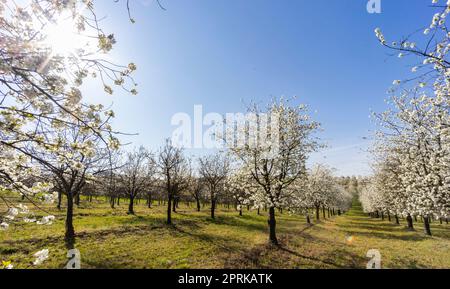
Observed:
{"x":224,"y":243}
{"x":382,"y":230}
{"x":292,"y":255}
{"x":248,"y":222}
{"x":372,"y":227}
{"x":387,"y":236}
{"x":314,"y":259}
{"x":406,"y":263}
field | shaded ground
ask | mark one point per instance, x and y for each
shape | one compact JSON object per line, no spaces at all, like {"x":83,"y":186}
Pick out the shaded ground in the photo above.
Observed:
{"x":108,"y":238}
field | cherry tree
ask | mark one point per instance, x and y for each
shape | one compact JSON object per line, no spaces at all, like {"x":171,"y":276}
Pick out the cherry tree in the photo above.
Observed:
{"x":275,"y":154}
{"x":137,"y":174}
{"x":173,"y":170}
{"x":214,"y":170}
{"x":197,"y":190}
{"x":48,"y":49}
{"x":418,"y":123}
{"x":241,"y":187}
{"x":319,"y":189}
{"x":71,"y":157}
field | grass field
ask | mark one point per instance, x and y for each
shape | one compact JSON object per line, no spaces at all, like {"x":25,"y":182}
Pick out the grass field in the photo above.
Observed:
{"x":109,"y":238}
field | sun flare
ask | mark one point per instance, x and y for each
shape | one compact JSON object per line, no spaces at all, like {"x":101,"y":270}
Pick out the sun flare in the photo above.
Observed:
{"x":64,"y":39}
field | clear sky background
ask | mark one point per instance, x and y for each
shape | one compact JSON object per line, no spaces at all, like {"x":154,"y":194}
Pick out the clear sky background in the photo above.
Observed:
{"x":224,"y":53}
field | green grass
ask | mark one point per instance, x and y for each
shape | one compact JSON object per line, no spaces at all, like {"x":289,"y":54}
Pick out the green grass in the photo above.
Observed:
{"x":109,"y":238}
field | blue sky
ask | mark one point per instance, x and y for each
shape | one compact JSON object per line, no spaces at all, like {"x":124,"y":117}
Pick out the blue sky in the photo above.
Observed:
{"x":224,"y":53}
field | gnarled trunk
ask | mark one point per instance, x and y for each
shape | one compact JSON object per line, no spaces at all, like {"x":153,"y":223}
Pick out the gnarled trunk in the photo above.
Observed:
{"x":77,"y":199}
{"x":69,"y":236}
{"x":213,"y":207}
{"x":149,"y":200}
{"x":272,"y":227}
{"x":59,"y":201}
{"x":174,"y":205}
{"x":409,"y":220}
{"x":131,"y":206}
{"x":169,"y":210}
{"x":426,"y":225}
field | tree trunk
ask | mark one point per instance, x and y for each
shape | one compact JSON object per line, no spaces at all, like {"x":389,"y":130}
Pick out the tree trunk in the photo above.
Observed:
{"x":213,"y":207}
{"x":409,"y":220}
{"x":198,"y":205}
{"x":339,"y":212}
{"x":169,"y":210}
{"x":308,"y":220}
{"x":149,"y":200}
{"x":59,"y":200}
{"x":131,"y":206}
{"x":323,"y":212}
{"x":174,"y":205}
{"x":317,"y":213}
{"x":396,"y":220}
{"x":69,"y":237}
{"x":77,"y":199}
{"x":426,"y":224}
{"x":272,"y":227}
{"x":382,"y":216}
{"x":259,"y":213}
{"x":240,"y":212}
{"x":389,"y":216}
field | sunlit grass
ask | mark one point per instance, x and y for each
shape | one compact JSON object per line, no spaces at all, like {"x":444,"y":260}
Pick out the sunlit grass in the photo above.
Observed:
{"x":109,"y":238}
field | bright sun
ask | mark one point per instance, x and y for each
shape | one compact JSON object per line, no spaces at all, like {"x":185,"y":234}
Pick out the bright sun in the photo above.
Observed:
{"x":63,"y":38}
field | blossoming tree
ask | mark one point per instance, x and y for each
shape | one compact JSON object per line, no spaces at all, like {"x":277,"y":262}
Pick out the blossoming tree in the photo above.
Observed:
{"x":418,"y":123}
{"x":276,"y":157}
{"x":48,"y":49}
